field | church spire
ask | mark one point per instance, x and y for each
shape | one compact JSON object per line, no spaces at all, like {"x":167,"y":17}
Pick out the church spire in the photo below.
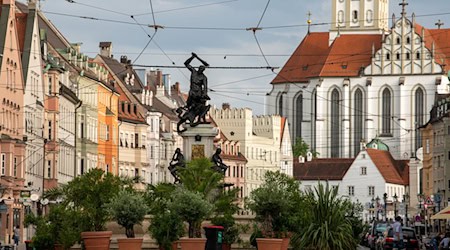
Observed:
{"x":309,"y":21}
{"x":403,"y":4}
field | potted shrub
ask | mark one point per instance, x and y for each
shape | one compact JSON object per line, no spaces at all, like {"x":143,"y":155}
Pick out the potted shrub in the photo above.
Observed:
{"x":128,"y":208}
{"x":274,"y":204}
{"x":58,"y":229}
{"x":165,"y":227}
{"x":192,"y":208}
{"x":225,"y":207}
{"x":88,"y":194}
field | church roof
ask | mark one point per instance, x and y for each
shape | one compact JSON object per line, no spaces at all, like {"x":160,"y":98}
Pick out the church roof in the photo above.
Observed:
{"x":377,"y":144}
{"x":393,"y":171}
{"x":315,"y":58}
{"x":349,"y":54}
{"x":322,"y":169}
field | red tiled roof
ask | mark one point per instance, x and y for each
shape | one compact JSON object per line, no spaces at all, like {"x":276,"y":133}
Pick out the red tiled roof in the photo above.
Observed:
{"x":393,"y":171}
{"x":307,"y":60}
{"x":441,"y":38}
{"x":322,"y":169}
{"x":21,"y":23}
{"x":349,"y":53}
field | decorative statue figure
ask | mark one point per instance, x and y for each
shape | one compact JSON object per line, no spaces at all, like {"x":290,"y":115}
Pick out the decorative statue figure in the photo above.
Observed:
{"x":175,"y":164}
{"x":196,"y":109}
{"x":219,"y":166}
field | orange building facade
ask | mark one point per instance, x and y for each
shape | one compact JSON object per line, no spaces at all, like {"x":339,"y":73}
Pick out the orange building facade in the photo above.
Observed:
{"x":108,"y":101}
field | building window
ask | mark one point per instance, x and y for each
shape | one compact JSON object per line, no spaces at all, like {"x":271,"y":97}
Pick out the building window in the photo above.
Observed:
{"x":49,"y":169}
{"x":388,"y":56}
{"x":15,"y":167}
{"x":386,"y":112}
{"x":107,"y":132}
{"x":408,"y":56}
{"x":351,"y":190}
{"x":335,"y":123}
{"x":81,"y":166}
{"x":136,"y":140}
{"x":371,"y":191}
{"x":408,"y":40}
{"x":427,"y":146}
{"x":397,"y":40}
{"x":151,"y":152}
{"x":355,"y":15}
{"x":3,"y":164}
{"x":299,"y":116}
{"x":280,"y":105}
{"x":50,"y":130}
{"x":397,"y":56}
{"x":418,"y":55}
{"x":363,"y":170}
{"x":418,"y":116}
{"x":49,"y":85}
{"x":358,"y":121}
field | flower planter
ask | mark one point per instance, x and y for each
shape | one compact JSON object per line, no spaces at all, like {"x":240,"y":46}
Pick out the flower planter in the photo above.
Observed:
{"x":96,"y":240}
{"x":269,"y":244}
{"x":174,"y":246}
{"x":285,"y":244}
{"x":226,"y":246}
{"x":192,"y":243}
{"x":130,"y":243}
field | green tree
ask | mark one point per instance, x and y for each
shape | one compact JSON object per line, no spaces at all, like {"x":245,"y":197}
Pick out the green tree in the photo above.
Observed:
{"x":300,"y":148}
{"x":327,"y":224}
{"x":88,"y":194}
{"x":192,"y":207}
{"x":128,"y":208}
{"x":275,"y":204}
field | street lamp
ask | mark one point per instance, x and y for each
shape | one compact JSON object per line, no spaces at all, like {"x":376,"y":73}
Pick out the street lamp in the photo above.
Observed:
{"x":378,"y":204}
{"x":406,"y":202}
{"x":372,"y":207}
{"x":385,"y":201}
{"x":395,"y":204}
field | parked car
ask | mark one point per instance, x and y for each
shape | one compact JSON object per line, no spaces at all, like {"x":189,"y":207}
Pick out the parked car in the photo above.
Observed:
{"x":410,"y":240}
{"x":376,"y":231}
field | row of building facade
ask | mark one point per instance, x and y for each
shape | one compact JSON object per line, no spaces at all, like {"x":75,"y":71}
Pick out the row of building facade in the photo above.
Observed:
{"x":64,"y":113}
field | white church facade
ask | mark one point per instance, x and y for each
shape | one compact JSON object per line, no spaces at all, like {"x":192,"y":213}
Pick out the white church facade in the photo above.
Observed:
{"x":362,"y":80}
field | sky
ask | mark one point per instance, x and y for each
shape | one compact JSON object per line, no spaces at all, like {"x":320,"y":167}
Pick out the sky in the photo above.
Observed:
{"x":215,"y":30}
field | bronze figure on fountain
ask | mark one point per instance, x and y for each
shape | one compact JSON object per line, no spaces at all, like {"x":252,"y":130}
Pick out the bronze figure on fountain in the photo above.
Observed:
{"x":196,"y":109}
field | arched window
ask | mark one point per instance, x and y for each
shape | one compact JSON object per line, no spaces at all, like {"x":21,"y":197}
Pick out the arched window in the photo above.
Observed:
{"x":398,"y":40}
{"x":418,"y":115}
{"x":408,"y":40}
{"x":335,"y":124}
{"x":314,"y":113}
{"x":388,"y":56}
{"x":408,"y":56}
{"x":358,"y":121}
{"x":397,"y":56}
{"x":298,"y":115}
{"x":355,"y":15}
{"x":386,"y":112}
{"x":280,"y":105}
{"x":418,"y":55}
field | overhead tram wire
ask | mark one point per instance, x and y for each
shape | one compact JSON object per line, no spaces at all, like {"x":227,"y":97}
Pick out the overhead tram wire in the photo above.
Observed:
{"x":98,"y":8}
{"x":209,"y":67}
{"x":189,"y":7}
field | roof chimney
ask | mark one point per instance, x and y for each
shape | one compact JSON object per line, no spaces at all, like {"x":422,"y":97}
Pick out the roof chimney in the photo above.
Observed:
{"x":301,"y":159}
{"x":225,"y":105}
{"x":106,"y":49}
{"x":123,"y":59}
{"x":309,"y":156}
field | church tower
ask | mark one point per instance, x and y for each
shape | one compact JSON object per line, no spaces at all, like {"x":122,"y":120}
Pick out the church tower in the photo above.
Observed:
{"x":359,"y":17}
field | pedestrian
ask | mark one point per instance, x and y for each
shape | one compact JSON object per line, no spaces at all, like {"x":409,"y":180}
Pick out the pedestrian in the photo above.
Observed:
{"x":398,"y":233}
{"x":16,"y":236}
{"x":445,"y":242}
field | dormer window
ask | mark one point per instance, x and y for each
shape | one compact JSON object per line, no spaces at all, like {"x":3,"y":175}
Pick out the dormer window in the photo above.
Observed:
{"x":123,"y":107}
{"x":129,"y":108}
{"x":355,"y":15}
{"x":135,"y":109}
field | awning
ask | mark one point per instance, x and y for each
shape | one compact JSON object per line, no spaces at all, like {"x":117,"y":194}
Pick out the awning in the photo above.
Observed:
{"x":442,"y":215}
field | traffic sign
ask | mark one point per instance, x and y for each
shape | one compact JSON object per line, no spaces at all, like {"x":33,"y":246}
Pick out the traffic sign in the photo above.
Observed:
{"x":429,"y":201}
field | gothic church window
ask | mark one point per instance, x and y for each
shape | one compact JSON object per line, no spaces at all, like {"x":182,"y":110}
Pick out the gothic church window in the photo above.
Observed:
{"x":408,"y":56}
{"x":418,"y":115}
{"x":397,"y":56}
{"x":386,"y":112}
{"x":299,"y":115}
{"x":418,"y":55}
{"x":341,"y":16}
{"x":408,"y":40}
{"x":358,"y":121}
{"x":280,"y":105}
{"x":388,"y":56}
{"x":397,"y":40}
{"x":335,"y":124}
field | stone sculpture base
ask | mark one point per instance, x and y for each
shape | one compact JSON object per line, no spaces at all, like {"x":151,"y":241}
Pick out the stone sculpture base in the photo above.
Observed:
{"x":198,"y":141}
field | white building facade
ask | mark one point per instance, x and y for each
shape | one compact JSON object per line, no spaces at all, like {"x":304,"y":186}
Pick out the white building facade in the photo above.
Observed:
{"x":360,"y":82}
{"x":260,"y":142}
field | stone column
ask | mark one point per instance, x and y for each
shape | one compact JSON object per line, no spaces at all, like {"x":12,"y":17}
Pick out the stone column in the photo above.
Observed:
{"x":199,"y":141}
